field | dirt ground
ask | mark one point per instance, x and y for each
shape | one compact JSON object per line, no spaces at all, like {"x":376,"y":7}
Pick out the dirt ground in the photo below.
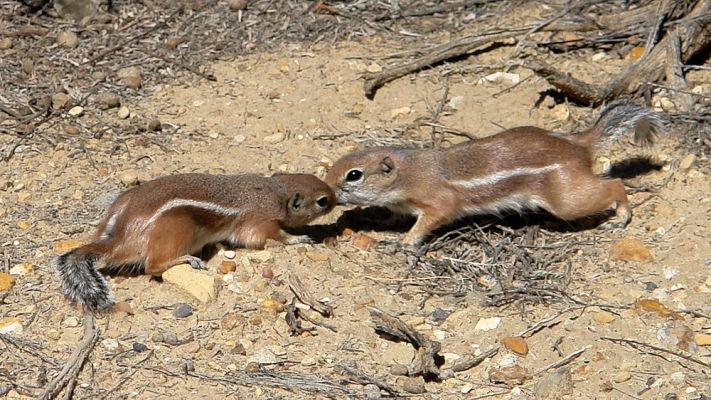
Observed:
{"x":296,"y":106}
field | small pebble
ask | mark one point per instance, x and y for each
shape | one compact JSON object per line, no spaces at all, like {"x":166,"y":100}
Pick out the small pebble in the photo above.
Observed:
{"x":622,"y":376}
{"x":131,"y":77}
{"x":188,"y":365}
{"x":231,"y":320}
{"x":599,"y":56}
{"x":67,"y":39}
{"x":227,"y":266}
{"x":123,"y":112}
{"x":72,"y":129}
{"x":237,"y":5}
{"x":374,"y":68}
{"x":110,"y":344}
{"x":267,"y":272}
{"x":11,"y":325}
{"x":677,"y":378}
{"x":487,"y":324}
{"x":271,"y":306}
{"x":155,"y":125}
{"x":128,"y":178}
{"x":687,"y":162}
{"x":628,"y":279}
{"x":399,"y":369}
{"x":516,"y":344}
{"x":183,"y":310}
{"x":414,"y":385}
{"x":5,"y":43}
{"x":274,"y":138}
{"x":107,"y":100}
{"x":439,"y":315}
{"x":71,"y":322}
{"x":263,"y":357}
{"x":27,"y":66}
{"x":372,"y":392}
{"x":604,"y":317}
{"x":139,"y":347}
{"x":53,"y":334}
{"x":229,"y":254}
{"x":7,"y":281}
{"x":59,"y":100}
{"x":76,"y":111}
{"x":439,"y":334}
{"x":650,"y":286}
{"x":239,"y":349}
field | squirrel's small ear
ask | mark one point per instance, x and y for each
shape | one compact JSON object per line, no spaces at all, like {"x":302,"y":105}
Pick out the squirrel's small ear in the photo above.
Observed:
{"x":387,"y":165}
{"x":295,"y":201}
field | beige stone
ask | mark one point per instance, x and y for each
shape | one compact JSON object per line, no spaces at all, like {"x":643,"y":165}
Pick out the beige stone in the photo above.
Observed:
{"x":198,"y":284}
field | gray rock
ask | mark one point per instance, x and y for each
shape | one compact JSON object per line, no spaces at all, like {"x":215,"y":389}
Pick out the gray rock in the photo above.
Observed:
{"x":107,"y":100}
{"x":263,"y":357}
{"x":414,"y":385}
{"x":139,"y":347}
{"x":183,"y":310}
{"x":372,"y":392}
{"x":439,"y":315}
{"x":554,"y":385}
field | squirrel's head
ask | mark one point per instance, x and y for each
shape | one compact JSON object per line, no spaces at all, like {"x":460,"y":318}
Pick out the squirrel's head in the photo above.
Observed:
{"x":308,"y":198}
{"x":367,"y":177}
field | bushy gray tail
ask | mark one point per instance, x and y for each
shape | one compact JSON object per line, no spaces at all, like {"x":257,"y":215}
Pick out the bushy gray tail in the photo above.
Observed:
{"x":81,"y":282}
{"x":621,"y":116}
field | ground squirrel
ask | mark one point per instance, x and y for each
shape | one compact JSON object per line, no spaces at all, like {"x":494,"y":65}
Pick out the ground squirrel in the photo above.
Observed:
{"x":519,"y":168}
{"x":166,"y":221}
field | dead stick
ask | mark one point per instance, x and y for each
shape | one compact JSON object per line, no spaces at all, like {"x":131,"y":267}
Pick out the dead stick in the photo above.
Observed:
{"x":456,"y":48}
{"x":307,"y":298}
{"x":567,"y":359}
{"x":75,"y":362}
{"x":576,"y":90}
{"x":693,"y":30}
{"x":635,"y":343}
{"x":318,"y":323}
{"x":473,"y":362}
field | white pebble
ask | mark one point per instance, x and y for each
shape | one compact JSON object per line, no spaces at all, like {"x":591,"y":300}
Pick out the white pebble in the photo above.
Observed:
{"x":76,"y":111}
{"x":110,"y":344}
{"x":123,"y":112}
{"x":487,"y":324}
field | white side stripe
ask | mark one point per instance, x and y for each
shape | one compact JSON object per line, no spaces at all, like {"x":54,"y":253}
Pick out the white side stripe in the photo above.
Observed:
{"x":205,"y":205}
{"x":501,"y":175}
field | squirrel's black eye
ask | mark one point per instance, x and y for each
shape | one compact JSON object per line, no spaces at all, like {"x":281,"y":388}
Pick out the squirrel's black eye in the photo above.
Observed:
{"x":322,"y":201}
{"x":354,"y":175}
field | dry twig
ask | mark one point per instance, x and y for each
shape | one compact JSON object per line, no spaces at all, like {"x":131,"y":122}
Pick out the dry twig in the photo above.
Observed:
{"x":436,"y":55}
{"x":75,"y":362}
{"x":307,"y":298}
{"x":638,"y":345}
{"x":427,"y":360}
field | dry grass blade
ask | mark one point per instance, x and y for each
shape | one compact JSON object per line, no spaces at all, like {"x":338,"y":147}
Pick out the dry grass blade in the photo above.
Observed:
{"x":508,"y":265}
